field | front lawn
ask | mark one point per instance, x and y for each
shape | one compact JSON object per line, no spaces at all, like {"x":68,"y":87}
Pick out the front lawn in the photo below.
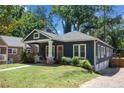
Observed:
{"x":45,"y":76}
{"x":3,"y":66}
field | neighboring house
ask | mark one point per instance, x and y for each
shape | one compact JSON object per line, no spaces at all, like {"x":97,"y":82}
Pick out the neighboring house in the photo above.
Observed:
{"x":11,"y":49}
{"x":71,"y":44}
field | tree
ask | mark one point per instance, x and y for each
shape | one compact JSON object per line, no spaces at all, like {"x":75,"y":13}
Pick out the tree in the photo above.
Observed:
{"x":7,"y":22}
{"x":74,"y":16}
{"x":105,"y":10}
{"x":15,"y":21}
{"x":30,"y":20}
{"x":64,"y":13}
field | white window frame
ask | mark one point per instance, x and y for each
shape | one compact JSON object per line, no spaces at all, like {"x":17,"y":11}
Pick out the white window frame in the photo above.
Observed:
{"x":12,"y":50}
{"x":102,"y":51}
{"x":53,"y":49}
{"x":99,"y":51}
{"x":74,"y":50}
{"x":79,"y":52}
{"x":34,"y":36}
{"x":107,"y":52}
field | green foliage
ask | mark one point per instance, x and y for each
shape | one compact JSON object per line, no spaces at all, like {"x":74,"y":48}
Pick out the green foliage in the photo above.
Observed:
{"x":75,"y":60}
{"x":85,"y":64}
{"x":26,"y":58}
{"x":15,"y":21}
{"x":66,"y":61}
{"x":39,"y":76}
{"x":73,"y":15}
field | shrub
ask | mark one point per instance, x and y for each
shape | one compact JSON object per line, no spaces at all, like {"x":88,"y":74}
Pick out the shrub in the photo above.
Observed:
{"x":26,"y":58}
{"x":66,"y":61}
{"x":85,"y":64}
{"x":75,"y":60}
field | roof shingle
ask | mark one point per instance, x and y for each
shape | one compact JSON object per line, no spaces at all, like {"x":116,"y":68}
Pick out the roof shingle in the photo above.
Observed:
{"x":13,"y":41}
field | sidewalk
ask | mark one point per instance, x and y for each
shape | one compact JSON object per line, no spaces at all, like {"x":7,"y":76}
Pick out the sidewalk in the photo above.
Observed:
{"x":12,"y":68}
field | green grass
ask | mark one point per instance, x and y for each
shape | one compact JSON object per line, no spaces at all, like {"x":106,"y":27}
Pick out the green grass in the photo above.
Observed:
{"x":45,"y":76}
{"x":3,"y":66}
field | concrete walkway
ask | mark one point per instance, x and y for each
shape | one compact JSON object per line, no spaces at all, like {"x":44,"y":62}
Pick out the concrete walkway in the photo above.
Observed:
{"x":12,"y":68}
{"x":111,"y":78}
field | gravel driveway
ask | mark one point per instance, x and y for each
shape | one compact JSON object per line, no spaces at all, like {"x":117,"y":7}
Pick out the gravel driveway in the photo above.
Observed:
{"x":111,"y":78}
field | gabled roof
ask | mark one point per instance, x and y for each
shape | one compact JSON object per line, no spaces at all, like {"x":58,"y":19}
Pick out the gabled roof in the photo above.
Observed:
{"x":13,"y":41}
{"x":50,"y":35}
{"x":69,"y":37}
{"x":77,"y":36}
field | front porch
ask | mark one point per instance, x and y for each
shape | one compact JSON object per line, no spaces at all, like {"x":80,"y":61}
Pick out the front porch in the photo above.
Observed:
{"x":49,"y":51}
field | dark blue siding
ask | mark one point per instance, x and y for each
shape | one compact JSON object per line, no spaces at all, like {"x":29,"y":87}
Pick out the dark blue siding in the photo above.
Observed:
{"x":31,"y":37}
{"x":68,"y":49}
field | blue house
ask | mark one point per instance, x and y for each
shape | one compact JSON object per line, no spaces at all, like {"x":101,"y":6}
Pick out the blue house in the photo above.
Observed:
{"x":53,"y":47}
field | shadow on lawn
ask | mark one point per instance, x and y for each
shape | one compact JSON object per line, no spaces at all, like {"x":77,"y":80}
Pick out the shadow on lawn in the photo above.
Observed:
{"x":109,"y":71}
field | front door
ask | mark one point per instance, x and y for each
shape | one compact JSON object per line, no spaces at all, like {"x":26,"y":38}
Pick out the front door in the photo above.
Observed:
{"x":59,"y":52}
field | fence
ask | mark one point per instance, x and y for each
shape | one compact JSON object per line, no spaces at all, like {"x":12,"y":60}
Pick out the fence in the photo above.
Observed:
{"x":117,"y":62}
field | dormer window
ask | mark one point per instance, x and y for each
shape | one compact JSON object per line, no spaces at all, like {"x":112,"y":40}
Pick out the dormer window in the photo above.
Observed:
{"x":36,"y":36}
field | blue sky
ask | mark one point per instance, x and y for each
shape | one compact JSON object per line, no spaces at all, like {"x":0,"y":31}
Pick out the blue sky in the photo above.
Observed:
{"x":118,"y":9}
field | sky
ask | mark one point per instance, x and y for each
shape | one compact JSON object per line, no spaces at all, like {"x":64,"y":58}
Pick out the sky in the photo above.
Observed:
{"x":118,"y":10}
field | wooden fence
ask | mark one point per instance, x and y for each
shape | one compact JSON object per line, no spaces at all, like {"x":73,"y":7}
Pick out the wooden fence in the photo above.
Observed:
{"x":117,"y":62}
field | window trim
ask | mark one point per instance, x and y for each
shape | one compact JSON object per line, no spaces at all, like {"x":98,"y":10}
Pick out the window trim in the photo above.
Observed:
{"x":34,"y":37}
{"x":107,"y":52}
{"x":79,"y":52}
{"x":99,"y":51}
{"x":12,"y":51}
{"x":102,"y":51}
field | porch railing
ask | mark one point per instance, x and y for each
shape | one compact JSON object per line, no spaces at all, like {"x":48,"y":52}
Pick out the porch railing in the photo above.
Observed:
{"x":3,"y":57}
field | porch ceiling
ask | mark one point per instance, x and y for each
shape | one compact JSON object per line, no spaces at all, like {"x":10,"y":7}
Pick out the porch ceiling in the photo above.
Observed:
{"x":37,"y":41}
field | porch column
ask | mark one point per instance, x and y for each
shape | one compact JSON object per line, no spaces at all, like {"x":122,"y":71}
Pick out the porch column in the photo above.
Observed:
{"x":50,"y":57}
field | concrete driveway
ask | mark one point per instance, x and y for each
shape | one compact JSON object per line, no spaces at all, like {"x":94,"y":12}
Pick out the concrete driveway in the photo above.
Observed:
{"x":111,"y":78}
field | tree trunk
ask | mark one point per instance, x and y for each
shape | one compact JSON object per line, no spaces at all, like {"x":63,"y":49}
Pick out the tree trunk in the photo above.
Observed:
{"x":67,"y":27}
{"x":78,"y":25}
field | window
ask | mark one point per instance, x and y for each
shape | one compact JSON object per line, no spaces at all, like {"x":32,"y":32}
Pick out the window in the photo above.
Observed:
{"x":53,"y":51}
{"x":76,"y":50}
{"x":79,"y":50}
{"x":99,"y":50}
{"x":12,"y":50}
{"x":82,"y":51}
{"x":107,"y":52}
{"x":102,"y":51}
{"x":36,"y":36}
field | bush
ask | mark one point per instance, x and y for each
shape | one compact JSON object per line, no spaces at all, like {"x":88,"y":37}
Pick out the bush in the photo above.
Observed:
{"x":26,"y":58}
{"x":85,"y":64}
{"x":75,"y":60}
{"x":66,"y":61}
